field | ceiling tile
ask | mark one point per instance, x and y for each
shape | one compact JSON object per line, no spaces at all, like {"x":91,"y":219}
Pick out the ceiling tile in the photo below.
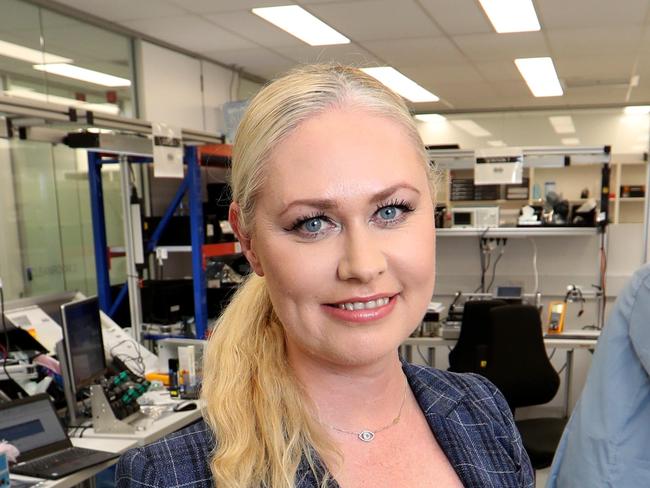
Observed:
{"x":190,"y":32}
{"x":459,"y":73}
{"x":456,"y":17}
{"x":376,"y":19}
{"x":254,"y":28}
{"x":578,"y":42}
{"x":573,"y":14}
{"x":119,"y":10}
{"x":498,"y":70}
{"x":259,"y":61}
{"x":431,"y":51}
{"x":345,"y":54}
{"x":494,"y":47}
{"x":594,"y":67}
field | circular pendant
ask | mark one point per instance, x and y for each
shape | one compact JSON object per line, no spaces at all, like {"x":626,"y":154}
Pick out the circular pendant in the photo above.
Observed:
{"x":366,"y":435}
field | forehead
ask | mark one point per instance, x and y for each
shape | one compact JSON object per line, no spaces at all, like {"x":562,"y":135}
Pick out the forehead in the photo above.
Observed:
{"x":343,"y":153}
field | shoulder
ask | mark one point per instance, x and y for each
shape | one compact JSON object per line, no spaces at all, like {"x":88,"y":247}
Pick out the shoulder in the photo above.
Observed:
{"x":446,"y":390}
{"x":474,"y":426}
{"x":181,"y":458}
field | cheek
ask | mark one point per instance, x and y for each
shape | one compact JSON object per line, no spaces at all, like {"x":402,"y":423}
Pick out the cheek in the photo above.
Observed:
{"x":296,"y":275}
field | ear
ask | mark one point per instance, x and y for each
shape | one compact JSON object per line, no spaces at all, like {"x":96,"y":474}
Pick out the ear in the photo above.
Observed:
{"x":244,"y":239}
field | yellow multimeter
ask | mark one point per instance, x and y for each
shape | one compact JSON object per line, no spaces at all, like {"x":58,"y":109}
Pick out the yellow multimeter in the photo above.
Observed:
{"x":556,"y":314}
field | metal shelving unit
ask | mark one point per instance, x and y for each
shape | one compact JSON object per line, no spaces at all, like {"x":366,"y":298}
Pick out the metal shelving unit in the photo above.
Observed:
{"x":514,"y":232}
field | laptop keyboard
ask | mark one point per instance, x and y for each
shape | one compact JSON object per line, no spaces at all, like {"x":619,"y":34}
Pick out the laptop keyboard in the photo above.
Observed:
{"x":67,"y":457}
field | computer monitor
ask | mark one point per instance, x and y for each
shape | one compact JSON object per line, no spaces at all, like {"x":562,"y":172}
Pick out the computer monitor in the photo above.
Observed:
{"x":83,"y":344}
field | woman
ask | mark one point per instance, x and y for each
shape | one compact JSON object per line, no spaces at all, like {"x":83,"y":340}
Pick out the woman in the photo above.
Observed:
{"x":303,"y":386}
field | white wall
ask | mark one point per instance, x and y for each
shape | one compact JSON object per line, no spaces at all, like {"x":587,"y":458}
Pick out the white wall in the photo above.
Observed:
{"x":218,"y":87}
{"x":181,"y":90}
{"x":169,"y":87}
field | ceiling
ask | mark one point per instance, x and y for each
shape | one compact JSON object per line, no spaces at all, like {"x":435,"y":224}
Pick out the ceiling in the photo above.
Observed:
{"x":447,"y":46}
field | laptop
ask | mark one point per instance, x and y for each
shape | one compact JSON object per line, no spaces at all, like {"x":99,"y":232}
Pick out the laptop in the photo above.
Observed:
{"x":31,"y":424}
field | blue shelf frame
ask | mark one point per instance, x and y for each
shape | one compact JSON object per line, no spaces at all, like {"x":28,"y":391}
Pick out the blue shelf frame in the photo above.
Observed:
{"x":191,"y":185}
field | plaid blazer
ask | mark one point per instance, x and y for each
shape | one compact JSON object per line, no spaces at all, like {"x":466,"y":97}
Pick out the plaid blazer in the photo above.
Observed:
{"x":467,"y":414}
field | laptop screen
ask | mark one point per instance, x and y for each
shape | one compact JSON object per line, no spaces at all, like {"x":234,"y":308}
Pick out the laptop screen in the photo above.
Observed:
{"x":30,"y":424}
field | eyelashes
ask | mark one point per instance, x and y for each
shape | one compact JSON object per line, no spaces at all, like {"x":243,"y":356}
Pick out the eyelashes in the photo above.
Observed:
{"x":388,"y":213}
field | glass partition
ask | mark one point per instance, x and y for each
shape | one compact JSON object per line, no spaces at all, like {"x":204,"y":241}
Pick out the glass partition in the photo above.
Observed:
{"x":46,"y":242}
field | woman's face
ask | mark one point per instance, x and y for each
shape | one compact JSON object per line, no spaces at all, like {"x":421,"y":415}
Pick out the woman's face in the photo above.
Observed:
{"x":344,"y":234}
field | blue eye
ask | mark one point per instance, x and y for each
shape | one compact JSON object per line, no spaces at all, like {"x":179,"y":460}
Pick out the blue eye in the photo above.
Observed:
{"x":313,"y":225}
{"x":388,"y":213}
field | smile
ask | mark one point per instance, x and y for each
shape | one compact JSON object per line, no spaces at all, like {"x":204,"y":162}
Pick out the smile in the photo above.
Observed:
{"x":360,"y":311}
{"x":380,"y":302}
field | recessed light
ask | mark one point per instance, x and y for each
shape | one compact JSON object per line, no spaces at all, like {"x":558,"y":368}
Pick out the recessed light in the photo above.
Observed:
{"x":540,"y":76}
{"x":301,"y":24}
{"x":34,"y":56}
{"x":511,"y":15}
{"x":637,"y":110}
{"x":108,"y":108}
{"x":570,"y":141}
{"x":471,"y":127}
{"x":430,"y":117}
{"x":562,"y":124}
{"x":83,"y":74}
{"x":400,"y":84}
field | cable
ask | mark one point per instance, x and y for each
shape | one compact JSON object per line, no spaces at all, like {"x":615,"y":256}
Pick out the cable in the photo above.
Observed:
{"x":426,"y":361}
{"x":7,"y":346}
{"x":535,"y":270}
{"x":603,"y":273}
{"x":496,"y":261}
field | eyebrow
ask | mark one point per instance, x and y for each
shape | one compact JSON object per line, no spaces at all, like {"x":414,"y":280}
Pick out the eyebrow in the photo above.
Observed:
{"x":328,"y":204}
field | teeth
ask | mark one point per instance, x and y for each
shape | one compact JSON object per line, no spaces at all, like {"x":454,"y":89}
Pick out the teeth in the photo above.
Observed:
{"x":380,"y":302}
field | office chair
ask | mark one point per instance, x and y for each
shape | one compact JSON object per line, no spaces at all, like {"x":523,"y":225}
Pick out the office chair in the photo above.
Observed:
{"x":519,"y":366}
{"x":470,"y":352}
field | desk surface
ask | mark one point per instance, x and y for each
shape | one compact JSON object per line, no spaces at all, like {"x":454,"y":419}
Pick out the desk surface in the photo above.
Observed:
{"x":169,"y":422}
{"x":110,"y":445}
{"x":557,"y":343}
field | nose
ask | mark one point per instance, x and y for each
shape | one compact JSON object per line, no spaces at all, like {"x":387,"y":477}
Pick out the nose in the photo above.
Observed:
{"x":362,"y":258}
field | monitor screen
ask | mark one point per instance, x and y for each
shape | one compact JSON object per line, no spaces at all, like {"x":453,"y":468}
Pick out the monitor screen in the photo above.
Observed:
{"x":462,"y":218}
{"x":84,"y":345}
{"x":508,"y":292}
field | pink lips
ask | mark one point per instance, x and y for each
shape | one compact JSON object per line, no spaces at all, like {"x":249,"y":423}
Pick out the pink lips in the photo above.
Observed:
{"x":364,"y":315}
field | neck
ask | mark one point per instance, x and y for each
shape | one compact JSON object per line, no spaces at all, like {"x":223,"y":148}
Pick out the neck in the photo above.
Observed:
{"x":352,"y":397}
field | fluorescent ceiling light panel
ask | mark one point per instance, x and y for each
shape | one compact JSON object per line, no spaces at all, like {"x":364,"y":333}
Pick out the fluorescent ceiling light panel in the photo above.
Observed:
{"x":301,"y":24}
{"x":34,"y":56}
{"x":430,"y":117}
{"x":562,"y":124}
{"x":83,"y":74}
{"x":511,"y":15}
{"x":496,"y":143}
{"x":637,"y":110}
{"x":400,"y":84}
{"x":108,"y":108}
{"x":570,"y":141}
{"x":471,"y":127}
{"x":540,"y":76}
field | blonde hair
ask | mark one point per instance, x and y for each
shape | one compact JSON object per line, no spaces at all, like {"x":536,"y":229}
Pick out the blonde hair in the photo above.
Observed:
{"x":257,"y":409}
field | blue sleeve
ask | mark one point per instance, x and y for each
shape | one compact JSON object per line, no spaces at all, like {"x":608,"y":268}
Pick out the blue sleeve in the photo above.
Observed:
{"x":135,"y":469}
{"x":640,"y":320}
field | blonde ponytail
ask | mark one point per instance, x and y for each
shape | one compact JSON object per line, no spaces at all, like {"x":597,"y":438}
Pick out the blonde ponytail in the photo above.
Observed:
{"x":254,"y":405}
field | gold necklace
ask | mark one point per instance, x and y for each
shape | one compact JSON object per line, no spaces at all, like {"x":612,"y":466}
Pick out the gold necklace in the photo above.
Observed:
{"x":367,"y":435}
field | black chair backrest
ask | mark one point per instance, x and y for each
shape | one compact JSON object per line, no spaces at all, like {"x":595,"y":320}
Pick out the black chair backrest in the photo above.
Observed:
{"x":470,"y":349}
{"x":517,"y":360}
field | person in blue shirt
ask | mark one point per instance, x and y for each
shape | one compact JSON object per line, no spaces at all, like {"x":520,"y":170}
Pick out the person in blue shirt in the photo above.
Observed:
{"x":607,"y":440}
